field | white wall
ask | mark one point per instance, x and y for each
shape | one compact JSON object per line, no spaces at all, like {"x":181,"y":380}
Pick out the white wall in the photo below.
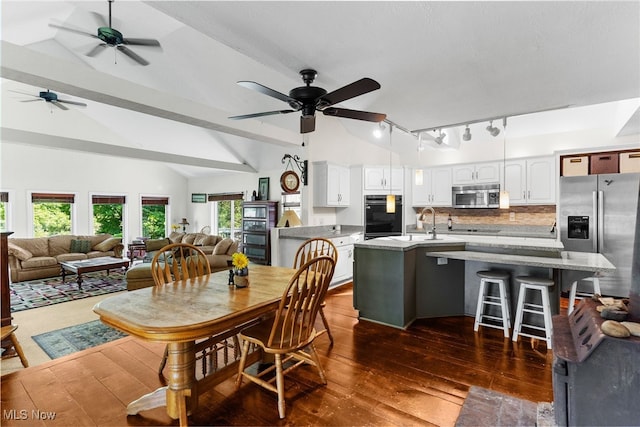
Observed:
{"x":29,"y":168}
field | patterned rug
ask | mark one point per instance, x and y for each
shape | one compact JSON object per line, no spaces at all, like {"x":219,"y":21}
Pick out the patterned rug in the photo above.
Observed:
{"x":76,"y":338}
{"x":42,"y":292}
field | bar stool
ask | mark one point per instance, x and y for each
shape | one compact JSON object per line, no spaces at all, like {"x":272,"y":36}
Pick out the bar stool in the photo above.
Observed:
{"x":487,"y":278}
{"x":575,"y":294}
{"x":541,"y":285}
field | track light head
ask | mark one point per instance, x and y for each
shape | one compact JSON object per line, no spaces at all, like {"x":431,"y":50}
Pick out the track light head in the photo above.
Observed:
{"x":493,"y":130}
{"x":440,"y":138}
{"x":377,"y":132}
{"x":467,"y":134}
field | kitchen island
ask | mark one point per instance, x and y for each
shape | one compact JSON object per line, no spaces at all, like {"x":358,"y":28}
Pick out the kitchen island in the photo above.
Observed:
{"x":402,"y":278}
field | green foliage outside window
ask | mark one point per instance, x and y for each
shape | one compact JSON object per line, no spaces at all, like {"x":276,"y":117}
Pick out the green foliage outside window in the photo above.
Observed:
{"x":3,"y":217}
{"x":51,"y":218}
{"x":225,"y":218}
{"x":153,"y":221}
{"x":107,"y":219}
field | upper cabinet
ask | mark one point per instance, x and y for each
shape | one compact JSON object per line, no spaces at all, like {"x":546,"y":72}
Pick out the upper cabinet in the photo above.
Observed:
{"x":331,"y":185}
{"x":435,"y":189}
{"x":480,"y":173}
{"x":530,"y":181}
{"x":382,"y":178}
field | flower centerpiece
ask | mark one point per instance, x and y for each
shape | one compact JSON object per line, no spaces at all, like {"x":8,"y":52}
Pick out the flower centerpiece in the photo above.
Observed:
{"x":240,"y":264}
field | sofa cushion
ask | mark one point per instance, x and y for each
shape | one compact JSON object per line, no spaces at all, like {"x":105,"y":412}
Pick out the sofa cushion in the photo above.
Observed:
{"x":222,"y":247}
{"x":108,"y":244}
{"x":39,"y":261}
{"x":71,"y":257}
{"x":201,"y":239}
{"x":189,"y":238}
{"x":100,"y":254}
{"x":38,"y":246}
{"x":176,"y":237}
{"x":21,"y":253}
{"x":218,"y":261}
{"x":156,"y":244}
{"x":61,"y":244}
{"x":80,"y":246}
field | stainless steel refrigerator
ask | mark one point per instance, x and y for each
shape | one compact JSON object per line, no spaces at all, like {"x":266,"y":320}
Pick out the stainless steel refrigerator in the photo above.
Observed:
{"x":597,"y":213}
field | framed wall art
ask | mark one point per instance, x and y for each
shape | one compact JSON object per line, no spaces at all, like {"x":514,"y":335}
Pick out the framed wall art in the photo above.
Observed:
{"x":263,"y":188}
{"x":198,"y":198}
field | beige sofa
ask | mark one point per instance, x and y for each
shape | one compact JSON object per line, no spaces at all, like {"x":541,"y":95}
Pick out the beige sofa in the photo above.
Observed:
{"x":39,"y":257}
{"x":217,"y":249}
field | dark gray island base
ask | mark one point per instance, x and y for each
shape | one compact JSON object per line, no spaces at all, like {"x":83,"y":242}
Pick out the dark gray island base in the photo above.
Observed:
{"x":399,"y":279}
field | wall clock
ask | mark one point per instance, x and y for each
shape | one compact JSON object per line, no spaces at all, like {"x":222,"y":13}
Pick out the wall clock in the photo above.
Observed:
{"x":290,"y":181}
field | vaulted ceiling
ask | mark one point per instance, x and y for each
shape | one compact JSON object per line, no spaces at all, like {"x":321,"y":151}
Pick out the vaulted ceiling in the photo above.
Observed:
{"x":439,"y":63}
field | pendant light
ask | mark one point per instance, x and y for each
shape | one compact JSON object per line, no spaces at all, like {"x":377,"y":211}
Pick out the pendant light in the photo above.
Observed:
{"x":419,"y":173}
{"x":504,"y":194}
{"x":391,"y":198}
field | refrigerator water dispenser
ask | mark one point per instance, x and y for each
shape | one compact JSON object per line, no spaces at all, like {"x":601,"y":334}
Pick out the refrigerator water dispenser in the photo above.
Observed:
{"x":578,"y":227}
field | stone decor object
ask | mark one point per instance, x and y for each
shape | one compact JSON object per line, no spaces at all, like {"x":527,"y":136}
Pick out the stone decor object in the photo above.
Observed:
{"x":633,"y":327}
{"x":614,"y":329}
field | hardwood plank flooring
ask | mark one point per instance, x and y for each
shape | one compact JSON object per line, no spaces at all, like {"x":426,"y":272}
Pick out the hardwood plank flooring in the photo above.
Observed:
{"x":377,"y":375}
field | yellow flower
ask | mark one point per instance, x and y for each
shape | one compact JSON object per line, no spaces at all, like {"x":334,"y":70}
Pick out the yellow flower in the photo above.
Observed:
{"x":239,"y":260}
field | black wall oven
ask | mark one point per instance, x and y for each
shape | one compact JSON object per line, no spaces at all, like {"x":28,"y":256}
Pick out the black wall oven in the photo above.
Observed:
{"x":379,"y":223}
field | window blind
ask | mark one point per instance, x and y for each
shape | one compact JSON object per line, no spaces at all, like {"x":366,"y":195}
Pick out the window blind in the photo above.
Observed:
{"x":52,"y":198}
{"x":149,"y":200}
{"x":218,"y":197}
{"x":108,"y":200}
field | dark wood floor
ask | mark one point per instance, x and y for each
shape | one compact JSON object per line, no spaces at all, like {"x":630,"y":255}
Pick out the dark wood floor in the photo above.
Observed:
{"x":376,"y":376}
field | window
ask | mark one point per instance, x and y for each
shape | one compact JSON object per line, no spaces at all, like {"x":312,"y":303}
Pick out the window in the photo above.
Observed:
{"x":52,"y":213}
{"x":4,"y":210}
{"x":154,"y":216}
{"x":227,"y":214}
{"x":107,"y":212}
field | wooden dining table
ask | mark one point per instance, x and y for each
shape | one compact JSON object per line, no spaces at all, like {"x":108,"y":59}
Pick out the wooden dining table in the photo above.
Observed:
{"x":182,"y":314}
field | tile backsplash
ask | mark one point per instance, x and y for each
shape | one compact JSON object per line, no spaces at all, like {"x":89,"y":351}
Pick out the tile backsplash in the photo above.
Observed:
{"x":516,"y":215}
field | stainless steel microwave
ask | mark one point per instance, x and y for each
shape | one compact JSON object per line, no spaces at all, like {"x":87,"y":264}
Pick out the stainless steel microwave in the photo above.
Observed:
{"x":476,"y":196}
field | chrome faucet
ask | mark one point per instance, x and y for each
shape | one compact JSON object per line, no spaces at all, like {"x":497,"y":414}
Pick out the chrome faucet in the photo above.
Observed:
{"x":433,"y":219}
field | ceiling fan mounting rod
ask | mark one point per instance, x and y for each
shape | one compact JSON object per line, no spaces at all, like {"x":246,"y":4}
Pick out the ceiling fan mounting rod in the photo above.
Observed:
{"x":110,"y":1}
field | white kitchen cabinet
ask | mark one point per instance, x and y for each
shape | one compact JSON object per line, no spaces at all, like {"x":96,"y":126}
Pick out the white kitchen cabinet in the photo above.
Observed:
{"x":435,"y":189}
{"x":331,"y":185}
{"x":383,"y":178}
{"x":530,"y":181}
{"x":480,"y":173}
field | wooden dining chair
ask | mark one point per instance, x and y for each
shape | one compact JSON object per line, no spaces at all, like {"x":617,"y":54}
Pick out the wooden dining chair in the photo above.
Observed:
{"x":308,"y":250}
{"x":291,"y":331}
{"x":177,"y":261}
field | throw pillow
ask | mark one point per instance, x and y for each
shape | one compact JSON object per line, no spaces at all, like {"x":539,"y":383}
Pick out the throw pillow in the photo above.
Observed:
{"x":107,"y":245}
{"x":200,"y":239}
{"x":80,"y":246}
{"x":210,"y":240}
{"x":21,"y":253}
{"x":176,"y":237}
{"x":222,"y":247}
{"x":156,"y":244}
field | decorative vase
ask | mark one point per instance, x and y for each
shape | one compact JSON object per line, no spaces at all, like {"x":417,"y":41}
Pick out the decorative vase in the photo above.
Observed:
{"x":242,"y":277}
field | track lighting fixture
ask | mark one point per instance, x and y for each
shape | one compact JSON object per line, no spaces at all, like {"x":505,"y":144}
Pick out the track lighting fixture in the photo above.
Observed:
{"x":492,"y":130}
{"x":377,"y":132}
{"x":440,"y":138}
{"x":467,"y":134}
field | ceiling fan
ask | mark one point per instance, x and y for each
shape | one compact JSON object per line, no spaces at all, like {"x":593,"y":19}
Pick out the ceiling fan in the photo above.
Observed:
{"x":310,"y":99}
{"x":112,"y":38}
{"x":52,"y":98}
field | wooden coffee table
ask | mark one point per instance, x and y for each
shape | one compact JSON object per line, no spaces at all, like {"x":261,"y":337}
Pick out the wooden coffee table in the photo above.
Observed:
{"x":89,"y":265}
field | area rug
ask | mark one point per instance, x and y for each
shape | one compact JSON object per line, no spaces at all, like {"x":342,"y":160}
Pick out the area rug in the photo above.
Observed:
{"x":69,"y":340}
{"x":484,"y":407}
{"x":42,"y":292}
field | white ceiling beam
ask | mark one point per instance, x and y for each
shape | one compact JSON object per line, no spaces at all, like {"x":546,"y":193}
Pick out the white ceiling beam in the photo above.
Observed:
{"x":52,"y":141}
{"x":30,"y":67}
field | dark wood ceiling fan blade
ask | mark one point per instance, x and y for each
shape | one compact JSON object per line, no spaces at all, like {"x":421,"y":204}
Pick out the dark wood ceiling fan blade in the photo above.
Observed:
{"x":357,"y":88}
{"x":354,"y":114}
{"x":100,"y":19}
{"x":266,"y":113}
{"x":25,"y":93}
{"x":32,"y":100}
{"x":59,"y":105}
{"x":141,"y":42}
{"x":96,"y":50}
{"x":307,"y":124}
{"x":66,"y":101}
{"x":131,"y":54}
{"x":73,"y":30}
{"x":269,"y":92}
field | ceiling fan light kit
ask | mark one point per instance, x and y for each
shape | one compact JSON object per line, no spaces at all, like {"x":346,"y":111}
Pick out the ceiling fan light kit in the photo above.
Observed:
{"x":309,"y":99}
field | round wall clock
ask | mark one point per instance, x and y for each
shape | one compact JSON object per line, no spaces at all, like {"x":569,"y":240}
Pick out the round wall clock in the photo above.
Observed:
{"x":290,"y":181}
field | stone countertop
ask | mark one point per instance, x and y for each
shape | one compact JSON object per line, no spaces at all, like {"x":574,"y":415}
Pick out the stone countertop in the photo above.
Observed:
{"x":408,"y":242}
{"x":326,"y":231}
{"x":581,"y":261}
{"x":542,"y":232}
